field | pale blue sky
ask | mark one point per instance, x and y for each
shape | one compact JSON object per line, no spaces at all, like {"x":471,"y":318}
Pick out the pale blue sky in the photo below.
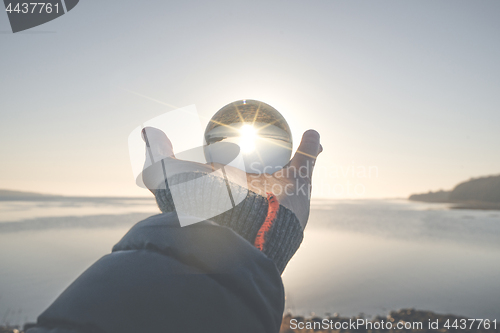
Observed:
{"x":411,"y":87}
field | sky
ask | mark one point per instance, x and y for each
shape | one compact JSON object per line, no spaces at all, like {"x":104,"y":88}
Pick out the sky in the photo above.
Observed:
{"x":405,"y":94}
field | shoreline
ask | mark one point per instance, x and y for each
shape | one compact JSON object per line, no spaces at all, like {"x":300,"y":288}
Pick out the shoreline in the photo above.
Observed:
{"x":477,"y":206}
{"x":474,"y":205}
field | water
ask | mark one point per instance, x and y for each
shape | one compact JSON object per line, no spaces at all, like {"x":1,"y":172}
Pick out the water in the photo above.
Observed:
{"x":46,"y":244}
{"x":374,"y":256}
{"x":367,"y":256}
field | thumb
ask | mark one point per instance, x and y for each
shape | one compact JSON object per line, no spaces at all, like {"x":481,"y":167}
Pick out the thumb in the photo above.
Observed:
{"x":308,"y":151}
{"x":158,"y":146}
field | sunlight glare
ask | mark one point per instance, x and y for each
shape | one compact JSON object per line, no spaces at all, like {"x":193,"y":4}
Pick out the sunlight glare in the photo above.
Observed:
{"x":247,"y":138}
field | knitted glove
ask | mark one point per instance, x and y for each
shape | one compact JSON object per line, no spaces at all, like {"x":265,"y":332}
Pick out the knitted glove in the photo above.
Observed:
{"x":271,"y":227}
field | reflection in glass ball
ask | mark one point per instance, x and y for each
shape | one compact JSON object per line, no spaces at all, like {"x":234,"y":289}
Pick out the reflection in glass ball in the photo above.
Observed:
{"x":258,"y":129}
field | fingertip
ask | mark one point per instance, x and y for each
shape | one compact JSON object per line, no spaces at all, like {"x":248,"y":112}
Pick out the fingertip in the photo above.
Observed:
{"x":144,"y":133}
{"x":310,"y":144}
{"x":311,"y":134}
{"x":311,"y":140}
{"x":158,"y":141}
{"x":150,"y":131}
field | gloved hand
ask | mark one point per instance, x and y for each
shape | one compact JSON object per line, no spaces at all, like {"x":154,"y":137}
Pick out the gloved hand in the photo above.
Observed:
{"x":272,"y":214}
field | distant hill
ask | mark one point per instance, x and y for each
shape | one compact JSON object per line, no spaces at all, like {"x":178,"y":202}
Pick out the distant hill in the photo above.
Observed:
{"x":483,"y":192}
{"x":20,"y":194}
{"x":484,"y":189}
{"x":439,"y":196}
{"x":11,"y":195}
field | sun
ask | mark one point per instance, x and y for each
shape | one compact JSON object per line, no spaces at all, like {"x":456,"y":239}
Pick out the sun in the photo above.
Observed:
{"x":248,"y":135}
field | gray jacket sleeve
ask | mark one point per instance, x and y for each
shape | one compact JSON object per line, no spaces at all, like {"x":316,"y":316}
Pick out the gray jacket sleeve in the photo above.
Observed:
{"x":164,"y":278}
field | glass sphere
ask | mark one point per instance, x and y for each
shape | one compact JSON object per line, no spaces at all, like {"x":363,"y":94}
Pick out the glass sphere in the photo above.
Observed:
{"x":260,"y":131}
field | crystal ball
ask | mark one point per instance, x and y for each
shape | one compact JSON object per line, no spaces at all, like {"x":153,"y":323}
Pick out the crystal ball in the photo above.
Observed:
{"x":260,"y":131}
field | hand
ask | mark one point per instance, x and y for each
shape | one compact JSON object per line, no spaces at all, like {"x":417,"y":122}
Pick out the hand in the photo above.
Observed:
{"x":291,"y":185}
